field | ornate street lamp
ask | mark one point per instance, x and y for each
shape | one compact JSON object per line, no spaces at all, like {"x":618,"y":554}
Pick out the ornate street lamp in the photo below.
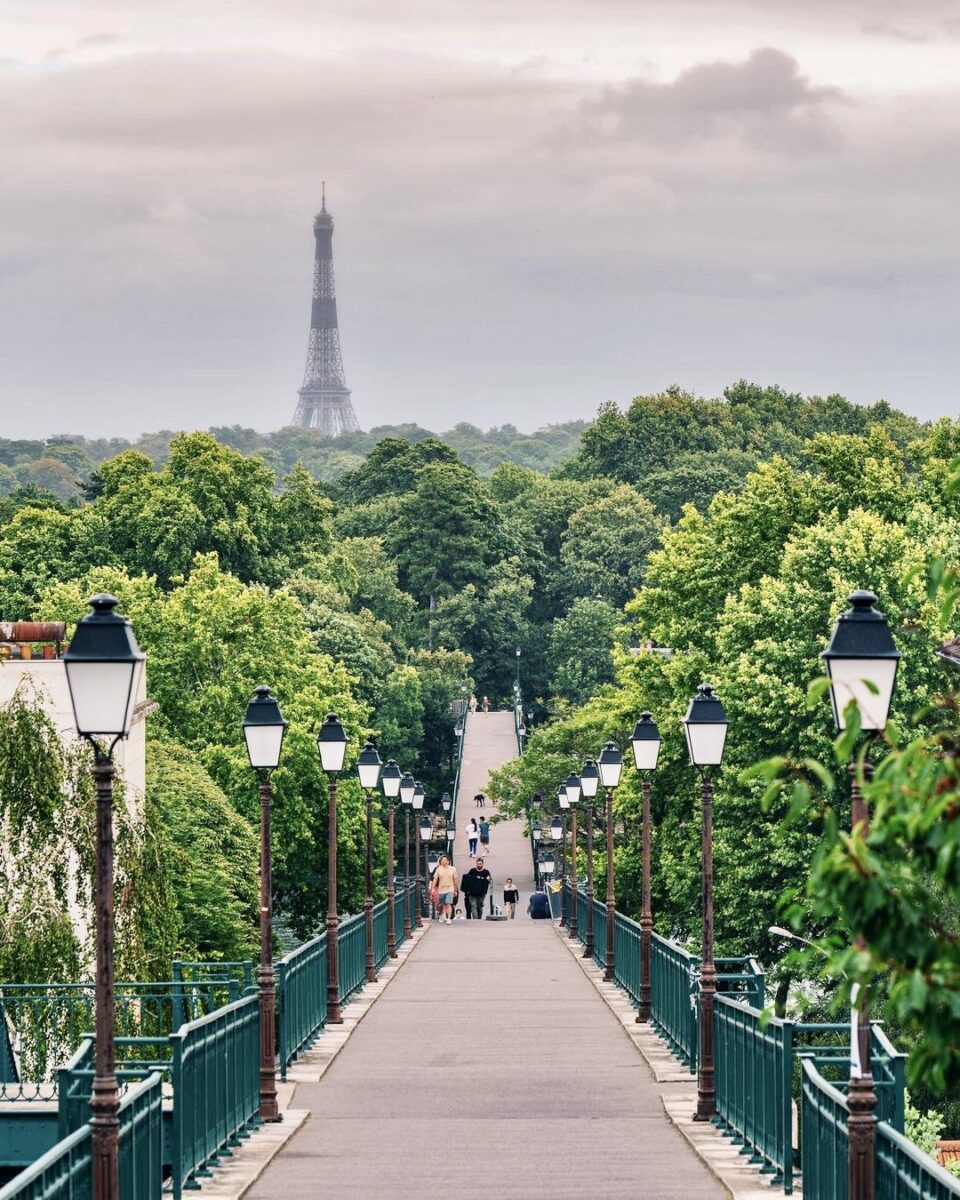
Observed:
{"x":332,"y":745}
{"x":610,"y":764}
{"x":646,"y":755}
{"x":390,"y":782}
{"x":368,"y":769}
{"x":263,"y":731}
{"x":103,"y":667}
{"x":564,"y":804}
{"x":705,"y":728}
{"x":535,"y":835}
{"x":556,"y":829}
{"x":426,"y":834}
{"x":445,"y":802}
{"x":589,"y":782}
{"x":419,"y":795}
{"x":571,"y":797}
{"x":861,"y":661}
{"x":408,"y":786}
{"x":451,"y":834}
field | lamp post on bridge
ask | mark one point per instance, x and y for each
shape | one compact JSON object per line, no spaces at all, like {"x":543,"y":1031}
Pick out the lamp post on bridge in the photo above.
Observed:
{"x":263,"y":731}
{"x":535,"y":834}
{"x":610,"y":764}
{"x":589,"y":782}
{"x":861,"y":661}
{"x":646,"y":755}
{"x":426,"y":836}
{"x":572,"y":795}
{"x":390,"y":782}
{"x":408,"y":785}
{"x":705,"y":728}
{"x":368,"y":769}
{"x":418,"y":798}
{"x":103,"y":667}
{"x":332,"y":746}
{"x":564,"y":804}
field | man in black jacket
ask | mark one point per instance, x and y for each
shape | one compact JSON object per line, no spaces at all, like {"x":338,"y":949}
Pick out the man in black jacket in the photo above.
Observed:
{"x":474,"y":886}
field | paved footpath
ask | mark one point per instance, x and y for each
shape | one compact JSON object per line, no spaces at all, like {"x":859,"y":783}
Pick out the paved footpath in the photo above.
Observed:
{"x":488,"y":1067}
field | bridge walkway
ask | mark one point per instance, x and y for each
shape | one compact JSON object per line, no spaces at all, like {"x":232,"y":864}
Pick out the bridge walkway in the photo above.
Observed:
{"x":489,"y":1066}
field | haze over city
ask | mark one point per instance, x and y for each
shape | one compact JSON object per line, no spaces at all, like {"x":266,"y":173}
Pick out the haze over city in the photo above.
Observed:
{"x":539,"y":206}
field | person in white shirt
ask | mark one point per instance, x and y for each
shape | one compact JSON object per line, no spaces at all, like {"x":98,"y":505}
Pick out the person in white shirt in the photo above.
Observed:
{"x":473,"y":836}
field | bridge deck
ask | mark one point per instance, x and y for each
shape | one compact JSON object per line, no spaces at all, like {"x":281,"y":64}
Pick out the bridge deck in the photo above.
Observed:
{"x":489,"y":1066}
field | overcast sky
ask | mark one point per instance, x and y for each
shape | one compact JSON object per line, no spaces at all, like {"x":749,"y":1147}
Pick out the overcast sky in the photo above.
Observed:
{"x":540,"y":205}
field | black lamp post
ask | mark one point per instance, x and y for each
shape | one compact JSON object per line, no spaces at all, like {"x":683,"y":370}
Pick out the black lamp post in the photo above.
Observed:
{"x":516,"y":686}
{"x":103,"y":666}
{"x":451,"y":834}
{"x":646,"y":755}
{"x":390,"y":782}
{"x":426,"y":836}
{"x":535,"y":835}
{"x":446,"y":803}
{"x":368,"y":769}
{"x":610,"y":764}
{"x":332,"y":745}
{"x":572,"y":795}
{"x":589,"y":782}
{"x":408,"y":785}
{"x":263,"y":730}
{"x":705,"y":728}
{"x":861,"y":661}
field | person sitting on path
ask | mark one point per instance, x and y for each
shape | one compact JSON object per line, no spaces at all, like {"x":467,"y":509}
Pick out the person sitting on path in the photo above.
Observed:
{"x":511,"y":897}
{"x":485,"y":836}
{"x":473,"y":836}
{"x":486,"y":705}
{"x":539,"y":906}
{"x":475,"y":884}
{"x":448,"y":886}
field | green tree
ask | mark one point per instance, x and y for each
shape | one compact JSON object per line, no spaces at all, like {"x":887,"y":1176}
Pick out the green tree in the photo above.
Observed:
{"x":580,"y":655}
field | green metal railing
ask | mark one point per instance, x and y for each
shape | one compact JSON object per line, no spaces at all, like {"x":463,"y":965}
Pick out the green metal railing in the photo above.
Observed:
{"x":351,"y":947}
{"x":216,"y":1088}
{"x":828,"y":1048}
{"x":48,"y":1021}
{"x":904,"y":1172}
{"x":243,"y":971}
{"x":673,"y":995}
{"x":754,"y":1080}
{"x":65,"y":1172}
{"x":301,"y":999}
{"x":627,"y":961}
{"x":380,"y":951}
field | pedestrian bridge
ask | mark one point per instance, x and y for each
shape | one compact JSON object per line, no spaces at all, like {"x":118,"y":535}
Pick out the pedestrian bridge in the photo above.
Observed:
{"x":490,"y":1056}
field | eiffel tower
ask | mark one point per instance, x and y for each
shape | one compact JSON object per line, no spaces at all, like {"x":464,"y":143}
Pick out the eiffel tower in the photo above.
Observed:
{"x":324,"y":398}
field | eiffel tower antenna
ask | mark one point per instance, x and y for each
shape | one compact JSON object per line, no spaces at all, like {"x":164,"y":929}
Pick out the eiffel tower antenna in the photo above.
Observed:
{"x":324,"y":398}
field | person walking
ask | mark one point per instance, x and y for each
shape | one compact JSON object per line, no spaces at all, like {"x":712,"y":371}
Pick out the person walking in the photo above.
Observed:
{"x":511,"y":897}
{"x":448,"y":887}
{"x":476,"y":882}
{"x":485,"y":835}
{"x":486,"y":705}
{"x":473,"y":705}
{"x":473,"y":836}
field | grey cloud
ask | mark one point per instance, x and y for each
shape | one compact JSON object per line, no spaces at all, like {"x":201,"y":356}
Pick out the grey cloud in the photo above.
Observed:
{"x":764,"y":99}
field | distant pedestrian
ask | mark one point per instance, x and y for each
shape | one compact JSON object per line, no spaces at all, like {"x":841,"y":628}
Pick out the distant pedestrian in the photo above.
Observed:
{"x":511,"y":896}
{"x":447,"y":886}
{"x":475,"y":884}
{"x":486,"y":705}
{"x":473,"y":705}
{"x":485,"y":836}
{"x":473,"y":836}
